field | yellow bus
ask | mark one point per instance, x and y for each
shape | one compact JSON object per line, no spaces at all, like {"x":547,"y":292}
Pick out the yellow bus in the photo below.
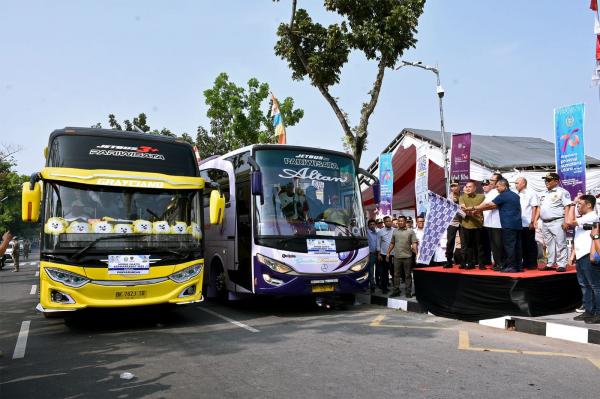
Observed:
{"x":122,"y":220}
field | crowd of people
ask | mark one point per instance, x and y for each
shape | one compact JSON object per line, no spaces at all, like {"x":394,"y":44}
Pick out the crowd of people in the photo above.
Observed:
{"x":503,"y":229}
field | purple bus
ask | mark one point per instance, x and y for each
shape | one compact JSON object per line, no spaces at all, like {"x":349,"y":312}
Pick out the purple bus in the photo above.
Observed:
{"x":293,"y":224}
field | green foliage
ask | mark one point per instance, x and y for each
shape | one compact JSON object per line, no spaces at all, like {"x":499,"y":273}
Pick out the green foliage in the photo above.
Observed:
{"x":237,"y":116}
{"x":10,"y":194}
{"x":381,"y":29}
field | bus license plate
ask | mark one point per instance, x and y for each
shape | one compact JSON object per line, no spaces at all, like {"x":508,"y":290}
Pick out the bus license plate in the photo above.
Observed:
{"x":132,"y":294}
{"x":323,"y":288}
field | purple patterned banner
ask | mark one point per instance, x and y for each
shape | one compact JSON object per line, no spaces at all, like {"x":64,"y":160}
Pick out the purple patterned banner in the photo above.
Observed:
{"x":441,"y":211}
{"x":460,"y":161}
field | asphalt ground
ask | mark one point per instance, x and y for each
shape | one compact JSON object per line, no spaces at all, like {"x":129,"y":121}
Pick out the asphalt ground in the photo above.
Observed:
{"x":275,"y":348}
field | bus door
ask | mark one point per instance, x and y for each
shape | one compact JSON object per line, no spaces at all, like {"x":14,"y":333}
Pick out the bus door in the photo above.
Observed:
{"x":220,"y":239}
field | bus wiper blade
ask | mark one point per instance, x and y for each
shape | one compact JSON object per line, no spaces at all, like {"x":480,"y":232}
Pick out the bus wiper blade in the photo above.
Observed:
{"x":333,"y":223}
{"x":111,"y":237}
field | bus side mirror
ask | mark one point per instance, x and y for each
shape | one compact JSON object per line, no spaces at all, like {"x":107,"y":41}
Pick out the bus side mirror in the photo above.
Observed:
{"x":217,"y":207}
{"x":46,"y":152}
{"x":376,"y":192}
{"x":31,"y":199}
{"x":257,"y":186}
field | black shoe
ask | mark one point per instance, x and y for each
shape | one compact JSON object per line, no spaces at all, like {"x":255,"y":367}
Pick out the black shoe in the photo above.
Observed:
{"x":593,"y":320}
{"x":448,"y":266}
{"x":583,"y":317}
{"x":509,"y":270}
{"x":497,"y":268}
{"x":462,"y":267}
{"x":561,"y":269}
{"x":395,"y":293}
{"x":372,"y":290}
{"x":470,"y":267}
{"x":409,"y":295}
{"x":482,"y":267}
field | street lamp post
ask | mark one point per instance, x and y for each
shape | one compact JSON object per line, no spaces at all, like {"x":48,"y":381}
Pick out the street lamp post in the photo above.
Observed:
{"x":440,"y":93}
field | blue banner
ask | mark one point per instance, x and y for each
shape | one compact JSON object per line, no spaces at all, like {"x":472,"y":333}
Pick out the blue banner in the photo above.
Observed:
{"x":422,"y":180}
{"x":386,"y":180}
{"x":570,"y":154}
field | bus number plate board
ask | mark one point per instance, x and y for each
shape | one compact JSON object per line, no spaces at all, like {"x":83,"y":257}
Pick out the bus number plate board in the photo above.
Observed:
{"x":129,"y":264}
{"x":132,"y":294}
{"x":323,"y":288}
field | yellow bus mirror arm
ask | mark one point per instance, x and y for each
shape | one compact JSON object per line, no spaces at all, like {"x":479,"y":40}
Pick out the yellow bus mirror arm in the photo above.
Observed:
{"x":217,"y":207}
{"x":31,"y":199}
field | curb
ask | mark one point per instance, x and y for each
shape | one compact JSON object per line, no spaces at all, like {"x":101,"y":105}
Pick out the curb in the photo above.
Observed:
{"x":514,"y":323}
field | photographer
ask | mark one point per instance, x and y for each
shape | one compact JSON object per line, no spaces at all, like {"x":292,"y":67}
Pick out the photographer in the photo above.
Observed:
{"x":588,"y":274}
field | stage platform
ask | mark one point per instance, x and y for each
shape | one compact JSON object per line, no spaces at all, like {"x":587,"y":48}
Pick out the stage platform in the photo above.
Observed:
{"x":475,"y":294}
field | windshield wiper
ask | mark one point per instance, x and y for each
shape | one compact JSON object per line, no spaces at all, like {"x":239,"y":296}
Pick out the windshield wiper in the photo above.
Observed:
{"x":111,"y":237}
{"x":333,"y":223}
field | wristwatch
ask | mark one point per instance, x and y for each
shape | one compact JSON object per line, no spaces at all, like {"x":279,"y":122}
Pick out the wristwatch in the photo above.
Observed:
{"x":595,"y":236}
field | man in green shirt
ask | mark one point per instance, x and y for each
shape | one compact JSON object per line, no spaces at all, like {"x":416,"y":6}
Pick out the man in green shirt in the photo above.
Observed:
{"x":404,"y":244}
{"x":472,"y":228}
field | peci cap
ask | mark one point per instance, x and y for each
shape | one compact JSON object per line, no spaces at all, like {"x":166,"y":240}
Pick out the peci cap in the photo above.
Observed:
{"x":454,"y":182}
{"x":551,"y":176}
{"x":485,"y":182}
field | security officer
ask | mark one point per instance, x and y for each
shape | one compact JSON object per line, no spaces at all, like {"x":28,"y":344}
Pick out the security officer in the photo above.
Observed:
{"x":553,"y":204}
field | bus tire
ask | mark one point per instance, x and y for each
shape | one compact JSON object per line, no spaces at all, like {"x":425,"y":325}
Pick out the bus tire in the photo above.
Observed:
{"x":219,"y":281}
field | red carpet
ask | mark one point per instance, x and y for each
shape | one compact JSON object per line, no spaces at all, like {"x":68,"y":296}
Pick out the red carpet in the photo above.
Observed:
{"x":490,"y":273}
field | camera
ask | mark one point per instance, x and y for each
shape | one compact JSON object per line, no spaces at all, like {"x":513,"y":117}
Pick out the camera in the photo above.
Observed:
{"x":590,"y":226}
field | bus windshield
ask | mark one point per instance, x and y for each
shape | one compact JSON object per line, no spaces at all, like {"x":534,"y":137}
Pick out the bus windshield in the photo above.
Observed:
{"x":308,"y":193}
{"x":144,"y":219}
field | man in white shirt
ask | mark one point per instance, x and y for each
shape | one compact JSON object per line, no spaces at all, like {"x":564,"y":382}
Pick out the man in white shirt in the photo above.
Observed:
{"x":554,"y":205}
{"x":530,"y":208}
{"x":588,"y":274}
{"x":491,"y":222}
{"x":384,"y":238}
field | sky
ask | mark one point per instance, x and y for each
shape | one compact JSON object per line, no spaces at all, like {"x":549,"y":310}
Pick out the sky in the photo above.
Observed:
{"x":504,"y":66}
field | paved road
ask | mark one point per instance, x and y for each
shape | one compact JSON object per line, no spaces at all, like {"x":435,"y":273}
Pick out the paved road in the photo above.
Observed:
{"x":276,"y":349}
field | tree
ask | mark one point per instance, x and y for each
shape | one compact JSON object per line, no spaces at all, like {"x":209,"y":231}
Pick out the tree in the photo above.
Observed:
{"x":381,"y":29}
{"x":237,"y":116}
{"x":10,"y":195}
{"x":139,"y":122}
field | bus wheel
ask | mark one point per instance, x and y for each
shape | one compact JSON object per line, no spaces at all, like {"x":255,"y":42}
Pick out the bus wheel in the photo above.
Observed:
{"x":220,"y":284}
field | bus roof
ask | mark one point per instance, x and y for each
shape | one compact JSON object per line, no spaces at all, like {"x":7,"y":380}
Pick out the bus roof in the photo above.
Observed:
{"x":90,"y":131}
{"x":253,"y":147}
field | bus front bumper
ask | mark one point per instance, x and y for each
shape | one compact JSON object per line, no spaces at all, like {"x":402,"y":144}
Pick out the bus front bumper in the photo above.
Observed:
{"x":272,"y":283}
{"x":153,"y":289}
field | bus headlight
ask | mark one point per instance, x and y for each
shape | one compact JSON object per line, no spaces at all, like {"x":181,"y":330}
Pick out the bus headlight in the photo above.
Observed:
{"x":67,"y":278}
{"x":273,"y":264}
{"x":358,"y":266}
{"x":186,"y":274}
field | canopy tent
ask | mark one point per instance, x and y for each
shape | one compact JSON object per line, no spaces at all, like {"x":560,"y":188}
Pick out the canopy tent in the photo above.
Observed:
{"x":530,"y":157}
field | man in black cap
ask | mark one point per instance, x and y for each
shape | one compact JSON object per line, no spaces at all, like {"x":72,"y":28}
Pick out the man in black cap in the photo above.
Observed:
{"x":454,"y":227}
{"x":553,"y":204}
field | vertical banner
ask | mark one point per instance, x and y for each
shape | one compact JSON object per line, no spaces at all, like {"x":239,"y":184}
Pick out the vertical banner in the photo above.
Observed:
{"x":460,"y":161}
{"x":386,"y":181}
{"x":570,"y":154}
{"x":421,"y":180}
{"x":441,"y":212}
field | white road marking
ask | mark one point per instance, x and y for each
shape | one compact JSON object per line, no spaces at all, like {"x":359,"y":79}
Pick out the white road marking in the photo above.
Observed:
{"x":237,"y":323}
{"x":33,"y":289}
{"x":19,"y":352}
{"x":37,"y":274}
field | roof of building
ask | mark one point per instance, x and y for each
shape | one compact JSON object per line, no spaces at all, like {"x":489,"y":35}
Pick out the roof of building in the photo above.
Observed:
{"x":497,"y":152}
